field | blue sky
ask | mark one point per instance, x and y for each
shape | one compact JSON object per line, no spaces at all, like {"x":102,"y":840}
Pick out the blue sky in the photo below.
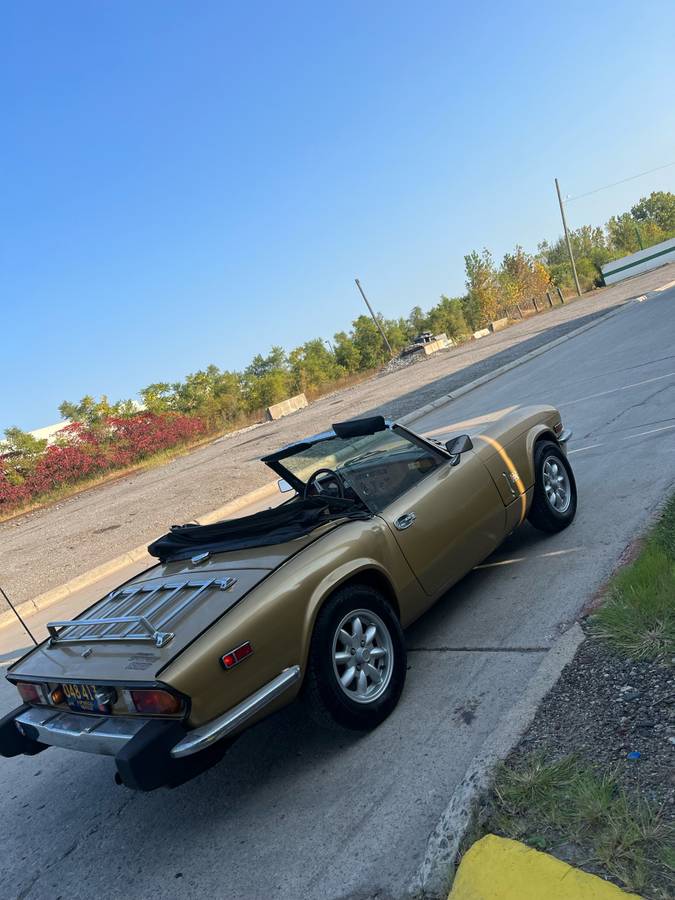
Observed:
{"x":187,"y":183}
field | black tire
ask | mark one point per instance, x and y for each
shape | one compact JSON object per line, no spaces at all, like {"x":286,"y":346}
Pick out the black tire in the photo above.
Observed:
{"x":543,"y":513}
{"x":328,"y":702}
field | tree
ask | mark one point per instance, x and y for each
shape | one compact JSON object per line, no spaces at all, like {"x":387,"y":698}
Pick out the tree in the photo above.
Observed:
{"x":447,"y":317}
{"x":266,"y":380}
{"x":658,"y":209}
{"x":418,"y":322}
{"x":313,"y":365}
{"x":368,"y":342}
{"x":522,"y":277}
{"x":591,"y":250}
{"x":21,"y":453}
{"x":483,"y":301}
{"x":158,"y":397}
{"x":346,"y":353}
{"x":94,"y":412}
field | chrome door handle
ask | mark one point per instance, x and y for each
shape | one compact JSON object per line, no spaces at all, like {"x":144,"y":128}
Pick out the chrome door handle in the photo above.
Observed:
{"x":405,"y":521}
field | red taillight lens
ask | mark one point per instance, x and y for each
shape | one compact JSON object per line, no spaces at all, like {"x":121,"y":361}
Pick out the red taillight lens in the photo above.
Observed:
{"x":30,"y":693}
{"x":156,"y":702}
{"x":229,"y":660}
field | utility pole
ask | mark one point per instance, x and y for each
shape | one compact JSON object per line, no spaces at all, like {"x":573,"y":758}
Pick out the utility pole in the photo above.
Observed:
{"x":375,"y":319}
{"x":567,"y":238}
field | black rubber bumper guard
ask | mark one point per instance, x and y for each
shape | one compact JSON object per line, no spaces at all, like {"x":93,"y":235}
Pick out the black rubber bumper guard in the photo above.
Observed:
{"x":144,"y":763}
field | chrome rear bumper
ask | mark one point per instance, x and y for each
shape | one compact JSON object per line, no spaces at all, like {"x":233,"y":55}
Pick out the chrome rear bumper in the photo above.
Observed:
{"x":108,"y":735}
{"x":206,"y":735}
{"x":95,"y":734}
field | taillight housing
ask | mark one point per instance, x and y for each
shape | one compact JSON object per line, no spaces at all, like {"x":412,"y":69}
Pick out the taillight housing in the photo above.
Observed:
{"x":30,"y":693}
{"x":558,"y":429}
{"x":156,"y":702}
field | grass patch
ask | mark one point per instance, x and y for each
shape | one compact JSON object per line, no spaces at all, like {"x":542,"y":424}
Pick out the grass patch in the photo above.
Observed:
{"x":638,"y":617}
{"x":562,"y":804}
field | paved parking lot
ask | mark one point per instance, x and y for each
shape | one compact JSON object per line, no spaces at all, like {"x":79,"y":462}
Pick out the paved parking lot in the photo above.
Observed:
{"x":293,"y":812}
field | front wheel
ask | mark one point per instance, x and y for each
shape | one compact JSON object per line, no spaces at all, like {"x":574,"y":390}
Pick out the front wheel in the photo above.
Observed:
{"x":554,"y":503}
{"x":357,"y":660}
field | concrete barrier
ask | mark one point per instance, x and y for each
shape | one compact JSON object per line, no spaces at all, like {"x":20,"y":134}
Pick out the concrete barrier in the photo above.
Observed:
{"x":440,"y":342}
{"x":498,"y":324}
{"x":285,"y":407}
{"x":482,"y":333}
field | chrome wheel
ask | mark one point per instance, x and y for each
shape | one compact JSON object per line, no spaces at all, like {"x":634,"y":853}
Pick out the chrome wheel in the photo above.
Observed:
{"x":363,"y":656}
{"x":556,"y":484}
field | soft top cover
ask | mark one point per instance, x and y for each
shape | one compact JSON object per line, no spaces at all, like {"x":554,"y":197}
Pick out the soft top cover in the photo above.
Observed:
{"x":271,"y":526}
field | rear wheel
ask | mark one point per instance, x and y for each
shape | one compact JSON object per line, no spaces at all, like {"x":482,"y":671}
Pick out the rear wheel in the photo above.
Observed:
{"x":357,"y":660}
{"x":554,"y":504}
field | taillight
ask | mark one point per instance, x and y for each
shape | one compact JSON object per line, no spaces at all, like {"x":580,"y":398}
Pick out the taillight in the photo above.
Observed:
{"x":156,"y":702}
{"x":30,"y":693}
{"x":233,"y":657}
{"x":558,"y":429}
{"x":57,"y":696}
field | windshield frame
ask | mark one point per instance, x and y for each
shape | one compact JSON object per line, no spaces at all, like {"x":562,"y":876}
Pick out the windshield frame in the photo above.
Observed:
{"x":274,"y":461}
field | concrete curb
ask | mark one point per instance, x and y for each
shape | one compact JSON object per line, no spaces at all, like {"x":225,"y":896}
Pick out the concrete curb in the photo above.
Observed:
{"x":138,"y":553}
{"x":125,"y":559}
{"x":435,"y":874}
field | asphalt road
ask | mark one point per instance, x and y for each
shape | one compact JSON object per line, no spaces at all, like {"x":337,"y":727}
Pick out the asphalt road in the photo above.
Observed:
{"x":292,"y":812}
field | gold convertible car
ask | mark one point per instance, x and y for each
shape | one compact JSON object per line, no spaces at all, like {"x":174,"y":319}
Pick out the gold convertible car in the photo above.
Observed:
{"x":308,"y":598}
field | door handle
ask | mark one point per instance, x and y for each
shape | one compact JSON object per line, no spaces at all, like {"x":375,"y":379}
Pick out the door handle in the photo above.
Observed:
{"x":405,"y":521}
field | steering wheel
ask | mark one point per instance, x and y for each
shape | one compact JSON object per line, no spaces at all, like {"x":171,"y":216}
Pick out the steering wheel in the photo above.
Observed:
{"x":311,"y":483}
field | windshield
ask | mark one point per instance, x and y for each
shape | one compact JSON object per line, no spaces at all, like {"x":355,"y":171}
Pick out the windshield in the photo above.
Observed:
{"x":377,"y":467}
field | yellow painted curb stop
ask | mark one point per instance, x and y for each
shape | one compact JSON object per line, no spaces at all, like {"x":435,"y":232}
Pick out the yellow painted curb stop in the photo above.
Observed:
{"x":497,"y":868}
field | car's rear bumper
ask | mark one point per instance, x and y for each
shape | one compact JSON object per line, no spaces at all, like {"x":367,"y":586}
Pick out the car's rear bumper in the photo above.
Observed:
{"x":106,"y":735}
{"x":149,"y":753}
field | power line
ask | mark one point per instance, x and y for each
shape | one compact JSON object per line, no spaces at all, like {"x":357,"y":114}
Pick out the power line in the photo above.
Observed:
{"x":623,"y":181}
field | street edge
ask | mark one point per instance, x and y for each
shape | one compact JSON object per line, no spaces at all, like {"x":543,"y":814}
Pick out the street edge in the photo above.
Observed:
{"x":436,"y":872}
{"x":54,"y":595}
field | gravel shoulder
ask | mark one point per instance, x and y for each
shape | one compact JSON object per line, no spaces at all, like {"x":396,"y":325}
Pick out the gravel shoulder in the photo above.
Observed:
{"x":47,"y":547}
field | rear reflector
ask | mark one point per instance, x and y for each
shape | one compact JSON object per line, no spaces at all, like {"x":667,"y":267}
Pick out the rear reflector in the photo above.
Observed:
{"x":30,"y":693}
{"x":234,"y":657}
{"x":156,"y":702}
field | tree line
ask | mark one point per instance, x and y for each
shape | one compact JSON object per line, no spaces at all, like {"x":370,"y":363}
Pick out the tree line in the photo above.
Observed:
{"x":222,"y":398}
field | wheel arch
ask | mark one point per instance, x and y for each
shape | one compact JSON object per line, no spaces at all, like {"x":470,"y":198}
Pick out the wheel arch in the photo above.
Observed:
{"x":535,"y":436}
{"x":365,"y":571}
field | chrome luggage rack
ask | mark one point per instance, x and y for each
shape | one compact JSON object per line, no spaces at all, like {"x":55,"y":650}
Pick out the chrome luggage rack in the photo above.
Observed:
{"x":135,"y":613}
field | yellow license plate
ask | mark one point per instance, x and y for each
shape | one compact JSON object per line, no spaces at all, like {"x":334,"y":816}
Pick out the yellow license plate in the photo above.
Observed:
{"x":81,"y":697}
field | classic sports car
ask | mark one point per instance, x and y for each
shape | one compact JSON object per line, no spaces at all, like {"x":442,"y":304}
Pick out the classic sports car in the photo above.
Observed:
{"x":310,"y":597}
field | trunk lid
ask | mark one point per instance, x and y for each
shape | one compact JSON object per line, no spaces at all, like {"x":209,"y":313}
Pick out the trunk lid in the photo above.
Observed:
{"x":177,"y":600}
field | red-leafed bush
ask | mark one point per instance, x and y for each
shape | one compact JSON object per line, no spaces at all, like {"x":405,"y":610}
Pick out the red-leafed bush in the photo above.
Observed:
{"x":82,"y":451}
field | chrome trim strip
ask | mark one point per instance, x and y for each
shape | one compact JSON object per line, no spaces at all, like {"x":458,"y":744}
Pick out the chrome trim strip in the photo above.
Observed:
{"x":93,"y":734}
{"x":213,"y":731}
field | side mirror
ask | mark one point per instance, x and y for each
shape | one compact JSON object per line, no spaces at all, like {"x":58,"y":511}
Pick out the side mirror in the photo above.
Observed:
{"x":284,"y":486}
{"x":457,"y":446}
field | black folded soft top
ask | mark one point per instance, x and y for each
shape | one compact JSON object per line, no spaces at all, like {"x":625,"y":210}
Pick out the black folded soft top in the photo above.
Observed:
{"x":271,"y":526}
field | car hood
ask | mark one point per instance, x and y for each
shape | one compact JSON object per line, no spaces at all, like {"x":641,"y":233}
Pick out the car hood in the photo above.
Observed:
{"x":182,"y":599}
{"x":493,"y":429}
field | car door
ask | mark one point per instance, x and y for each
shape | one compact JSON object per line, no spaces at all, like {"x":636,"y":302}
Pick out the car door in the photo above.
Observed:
{"x":447,"y":522}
